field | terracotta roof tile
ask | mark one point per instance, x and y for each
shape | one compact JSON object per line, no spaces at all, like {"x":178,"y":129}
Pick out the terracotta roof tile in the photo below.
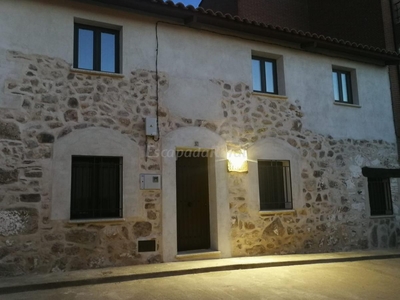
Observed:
{"x":315,"y":36}
{"x":285,"y":30}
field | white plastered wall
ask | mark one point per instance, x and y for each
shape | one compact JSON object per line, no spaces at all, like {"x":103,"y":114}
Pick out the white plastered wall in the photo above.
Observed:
{"x":187,"y":138}
{"x":96,"y":142}
{"x":192,"y":58}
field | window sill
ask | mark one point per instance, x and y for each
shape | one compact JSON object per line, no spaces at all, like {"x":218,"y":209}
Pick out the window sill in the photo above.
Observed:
{"x":97,"y":73}
{"x":383,"y":217}
{"x":280,"y":97}
{"x":347,"y":104}
{"x":85,"y":221}
{"x":276,"y":212}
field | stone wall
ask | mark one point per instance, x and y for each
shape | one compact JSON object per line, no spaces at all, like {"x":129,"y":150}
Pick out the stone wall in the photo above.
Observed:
{"x":335,"y":216}
{"x":56,"y":102}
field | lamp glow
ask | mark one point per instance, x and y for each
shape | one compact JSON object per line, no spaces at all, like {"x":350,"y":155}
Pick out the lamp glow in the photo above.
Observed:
{"x":237,"y":161}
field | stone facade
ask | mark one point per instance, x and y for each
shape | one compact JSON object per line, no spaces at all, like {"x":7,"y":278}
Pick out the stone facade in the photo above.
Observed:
{"x":49,"y":101}
{"x":55,"y":103}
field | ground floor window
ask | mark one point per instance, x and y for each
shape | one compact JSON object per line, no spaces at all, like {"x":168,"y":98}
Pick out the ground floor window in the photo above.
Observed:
{"x":380,"y":196}
{"x":274,"y":185}
{"x":96,"y":187}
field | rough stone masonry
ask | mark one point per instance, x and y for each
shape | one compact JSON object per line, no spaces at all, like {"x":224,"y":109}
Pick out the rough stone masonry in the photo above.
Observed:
{"x":49,"y":102}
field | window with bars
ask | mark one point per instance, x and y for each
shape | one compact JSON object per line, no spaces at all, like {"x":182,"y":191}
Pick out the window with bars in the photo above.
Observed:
{"x":275,"y":185}
{"x":264,"y":75}
{"x":342,"y":86}
{"x":96,"y":187}
{"x":96,"y":48}
{"x":380,"y":196}
{"x":396,"y":11}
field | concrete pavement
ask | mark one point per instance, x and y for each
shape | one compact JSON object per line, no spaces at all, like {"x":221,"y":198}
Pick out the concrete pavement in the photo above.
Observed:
{"x":140,"y":272}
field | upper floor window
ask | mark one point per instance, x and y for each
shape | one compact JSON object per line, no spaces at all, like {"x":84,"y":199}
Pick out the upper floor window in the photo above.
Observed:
{"x":96,"y":187}
{"x":96,"y":48}
{"x":264,"y":75}
{"x":342,"y":86}
{"x":274,"y":185}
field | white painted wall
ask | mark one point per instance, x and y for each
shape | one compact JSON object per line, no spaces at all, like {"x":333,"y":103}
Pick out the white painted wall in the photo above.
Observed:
{"x":192,"y":57}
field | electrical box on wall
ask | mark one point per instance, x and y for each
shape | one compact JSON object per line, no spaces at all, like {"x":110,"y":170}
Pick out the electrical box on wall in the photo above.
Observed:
{"x":150,"y":182}
{"x":151,"y":126}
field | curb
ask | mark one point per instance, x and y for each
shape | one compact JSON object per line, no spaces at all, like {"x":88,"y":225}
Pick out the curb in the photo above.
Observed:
{"x":150,"y":275}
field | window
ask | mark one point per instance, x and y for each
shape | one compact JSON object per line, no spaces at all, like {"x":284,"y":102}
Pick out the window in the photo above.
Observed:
{"x":274,"y":185}
{"x":96,"y":187}
{"x":96,"y":49}
{"x":380,"y":197}
{"x":396,"y":11}
{"x":264,"y":75}
{"x":342,"y":86}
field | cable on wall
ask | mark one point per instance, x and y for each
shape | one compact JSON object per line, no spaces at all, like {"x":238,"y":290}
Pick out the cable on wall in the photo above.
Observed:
{"x":157,"y":86}
{"x":157,"y":96}
{"x":157,"y":59}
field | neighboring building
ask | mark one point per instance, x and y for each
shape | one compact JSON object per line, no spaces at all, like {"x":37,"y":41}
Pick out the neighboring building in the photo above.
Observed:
{"x":358,"y":21}
{"x":85,"y":86}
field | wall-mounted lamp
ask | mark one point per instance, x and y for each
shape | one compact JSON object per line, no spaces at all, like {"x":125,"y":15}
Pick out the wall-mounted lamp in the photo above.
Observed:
{"x":237,"y":160}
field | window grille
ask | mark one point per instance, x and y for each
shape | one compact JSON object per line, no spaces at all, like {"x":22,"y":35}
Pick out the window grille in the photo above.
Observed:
{"x":380,"y":196}
{"x":96,"y":187}
{"x":275,"y":185}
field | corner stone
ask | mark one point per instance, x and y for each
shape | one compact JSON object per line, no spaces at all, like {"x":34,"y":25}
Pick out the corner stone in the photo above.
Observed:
{"x":81,"y":236}
{"x":18,"y":221}
{"x":45,"y":138}
{"x":30,"y":198}
{"x":8,"y":176}
{"x":274,"y":229}
{"x":142,"y":229}
{"x":256,"y":250}
{"x":9,"y":131}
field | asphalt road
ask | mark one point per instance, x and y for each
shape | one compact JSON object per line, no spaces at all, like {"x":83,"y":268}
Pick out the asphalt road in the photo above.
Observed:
{"x":374,"y":279}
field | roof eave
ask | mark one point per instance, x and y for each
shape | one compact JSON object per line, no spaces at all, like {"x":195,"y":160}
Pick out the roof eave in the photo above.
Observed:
{"x":192,"y":17}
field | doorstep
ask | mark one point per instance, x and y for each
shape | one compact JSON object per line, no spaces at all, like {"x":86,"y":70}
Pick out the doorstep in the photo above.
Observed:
{"x":198,"y":255}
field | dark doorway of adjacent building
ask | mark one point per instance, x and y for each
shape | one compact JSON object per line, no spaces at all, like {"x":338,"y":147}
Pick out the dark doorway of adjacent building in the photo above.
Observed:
{"x":193,"y":216}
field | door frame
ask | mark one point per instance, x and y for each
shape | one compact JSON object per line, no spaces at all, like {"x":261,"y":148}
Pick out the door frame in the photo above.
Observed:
{"x":220,"y":220}
{"x":210,"y":190}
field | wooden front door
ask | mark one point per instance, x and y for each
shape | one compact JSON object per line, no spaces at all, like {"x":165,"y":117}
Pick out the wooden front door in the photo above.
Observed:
{"x":193,"y":217}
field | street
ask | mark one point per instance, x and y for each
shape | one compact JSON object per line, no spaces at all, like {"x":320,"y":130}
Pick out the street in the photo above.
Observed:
{"x":373,"y":279}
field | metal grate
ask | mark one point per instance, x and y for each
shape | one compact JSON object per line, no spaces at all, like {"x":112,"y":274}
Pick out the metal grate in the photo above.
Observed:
{"x":275,"y":185}
{"x":396,"y":11}
{"x":96,"y":187}
{"x":380,"y":196}
{"x":147,"y":246}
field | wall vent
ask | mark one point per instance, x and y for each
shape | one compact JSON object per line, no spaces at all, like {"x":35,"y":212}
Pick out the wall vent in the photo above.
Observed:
{"x":147,"y":246}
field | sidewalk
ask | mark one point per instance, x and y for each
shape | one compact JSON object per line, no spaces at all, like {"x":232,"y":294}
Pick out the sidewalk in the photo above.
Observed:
{"x":110,"y":275}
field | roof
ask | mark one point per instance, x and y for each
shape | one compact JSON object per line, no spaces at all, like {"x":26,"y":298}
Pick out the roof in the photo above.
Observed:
{"x":307,"y":40}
